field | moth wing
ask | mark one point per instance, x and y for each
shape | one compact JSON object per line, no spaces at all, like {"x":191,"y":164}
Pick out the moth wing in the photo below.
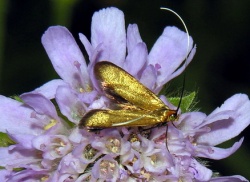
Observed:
{"x":120,"y":85}
{"x":99,"y":119}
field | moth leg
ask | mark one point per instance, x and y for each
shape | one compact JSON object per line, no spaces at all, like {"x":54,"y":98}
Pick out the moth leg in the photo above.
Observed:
{"x":154,"y":126}
{"x":167,"y":137}
{"x":94,"y":129}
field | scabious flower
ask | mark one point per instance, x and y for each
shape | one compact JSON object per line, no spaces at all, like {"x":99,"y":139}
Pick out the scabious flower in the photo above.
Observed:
{"x":49,"y":146}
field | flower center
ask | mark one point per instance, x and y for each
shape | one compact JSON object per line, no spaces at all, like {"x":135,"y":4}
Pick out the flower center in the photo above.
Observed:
{"x":133,"y":138}
{"x":153,"y":159}
{"x":107,"y":167}
{"x":114,"y":145}
{"x":59,"y":146}
{"x":89,"y":152}
{"x":145,"y":174}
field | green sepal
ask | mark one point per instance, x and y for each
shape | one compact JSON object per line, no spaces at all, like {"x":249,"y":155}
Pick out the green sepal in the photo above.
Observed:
{"x":18,"y":169}
{"x":15,"y":169}
{"x":17,"y":98}
{"x":5,"y":140}
{"x":186,"y":101}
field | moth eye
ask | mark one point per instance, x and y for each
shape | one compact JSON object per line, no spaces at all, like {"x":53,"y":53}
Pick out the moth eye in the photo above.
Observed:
{"x":172,"y":117}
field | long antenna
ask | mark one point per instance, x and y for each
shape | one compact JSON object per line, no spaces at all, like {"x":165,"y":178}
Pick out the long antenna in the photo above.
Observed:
{"x":182,"y":21}
{"x":188,"y":42}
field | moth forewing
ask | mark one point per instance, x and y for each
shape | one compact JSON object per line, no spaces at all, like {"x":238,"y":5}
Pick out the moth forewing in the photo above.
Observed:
{"x":144,"y":108}
{"x":100,"y":119}
{"x":120,"y":84}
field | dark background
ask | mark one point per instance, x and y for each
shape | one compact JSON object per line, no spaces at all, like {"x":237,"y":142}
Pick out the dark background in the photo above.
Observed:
{"x":219,"y":69}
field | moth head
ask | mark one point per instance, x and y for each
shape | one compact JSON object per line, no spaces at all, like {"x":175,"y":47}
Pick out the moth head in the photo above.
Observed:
{"x":173,"y":115}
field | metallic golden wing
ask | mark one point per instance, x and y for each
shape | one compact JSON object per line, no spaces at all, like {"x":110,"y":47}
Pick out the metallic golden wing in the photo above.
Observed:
{"x":99,"y":119}
{"x":120,"y":85}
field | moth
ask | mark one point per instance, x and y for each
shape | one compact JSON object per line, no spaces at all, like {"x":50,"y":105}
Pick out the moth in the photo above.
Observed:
{"x":138,"y":106}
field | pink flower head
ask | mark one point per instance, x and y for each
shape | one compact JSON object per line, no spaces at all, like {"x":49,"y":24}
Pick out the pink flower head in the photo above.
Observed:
{"x":49,"y":146}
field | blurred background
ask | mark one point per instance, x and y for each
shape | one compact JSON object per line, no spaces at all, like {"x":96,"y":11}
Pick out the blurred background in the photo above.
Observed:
{"x":220,"y":29}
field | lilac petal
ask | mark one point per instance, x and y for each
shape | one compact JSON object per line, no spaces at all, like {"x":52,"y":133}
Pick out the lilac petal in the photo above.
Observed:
{"x":4,"y":174}
{"x":167,"y":177}
{"x":129,"y":157}
{"x":146,"y":146}
{"x":157,"y":133}
{"x":99,"y":103}
{"x":183,"y":67}
{"x":133,"y":37}
{"x":69,"y":103}
{"x":54,"y":177}
{"x":159,"y":165}
{"x":76,"y":137}
{"x":138,"y":165}
{"x":88,"y":97}
{"x":93,"y":61}
{"x":66,"y":56}
{"x":28,"y":175}
{"x":191,"y":120}
{"x":40,"y":104}
{"x":53,"y":146}
{"x":215,"y":125}
{"x":136,"y":59}
{"x":226,"y":129}
{"x":49,"y":88}
{"x":169,"y":51}
{"x":217,"y":153}
{"x":108,"y":29}
{"x":71,"y":165}
{"x":16,"y":158}
{"x":217,"y":117}
{"x":85,"y":177}
{"x":236,"y":102}
{"x":200,"y":172}
{"x":148,"y":77}
{"x":15,"y":118}
{"x":235,"y":178}
{"x":23,"y":140}
{"x":88,"y":47}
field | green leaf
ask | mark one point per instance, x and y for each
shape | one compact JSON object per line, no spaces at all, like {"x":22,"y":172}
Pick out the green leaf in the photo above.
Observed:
{"x":5,"y":140}
{"x":186,"y":101}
